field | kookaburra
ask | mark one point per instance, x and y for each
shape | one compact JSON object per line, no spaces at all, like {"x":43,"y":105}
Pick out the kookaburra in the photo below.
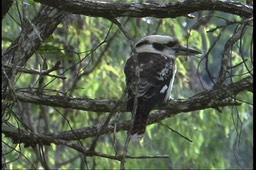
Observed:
{"x":156,"y":68}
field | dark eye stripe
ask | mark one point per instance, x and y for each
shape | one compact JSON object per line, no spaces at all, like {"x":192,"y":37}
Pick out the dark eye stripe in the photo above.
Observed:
{"x":170,"y":44}
{"x":158,"y":46}
{"x":142,"y":43}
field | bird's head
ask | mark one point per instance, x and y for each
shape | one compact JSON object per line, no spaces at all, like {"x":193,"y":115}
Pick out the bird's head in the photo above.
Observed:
{"x":164,"y":45}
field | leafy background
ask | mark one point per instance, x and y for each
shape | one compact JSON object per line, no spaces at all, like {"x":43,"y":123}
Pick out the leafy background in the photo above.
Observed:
{"x":94,"y":69}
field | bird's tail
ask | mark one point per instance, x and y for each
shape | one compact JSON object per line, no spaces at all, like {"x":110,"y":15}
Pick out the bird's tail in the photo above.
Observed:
{"x":140,"y":123}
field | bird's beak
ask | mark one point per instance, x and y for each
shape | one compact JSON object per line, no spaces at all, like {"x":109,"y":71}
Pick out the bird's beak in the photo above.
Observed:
{"x":181,"y":50}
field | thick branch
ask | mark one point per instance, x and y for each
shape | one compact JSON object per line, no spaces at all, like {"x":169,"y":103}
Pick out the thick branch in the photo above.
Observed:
{"x":112,"y":9}
{"x":199,"y":101}
{"x":204,"y":100}
{"x":32,"y":35}
{"x":30,"y":39}
{"x":30,"y":139}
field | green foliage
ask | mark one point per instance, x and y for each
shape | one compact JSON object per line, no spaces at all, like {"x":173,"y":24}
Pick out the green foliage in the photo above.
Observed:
{"x":220,"y":140}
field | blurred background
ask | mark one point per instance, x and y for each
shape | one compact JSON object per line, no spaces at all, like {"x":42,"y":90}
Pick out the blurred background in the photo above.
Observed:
{"x":93,"y":51}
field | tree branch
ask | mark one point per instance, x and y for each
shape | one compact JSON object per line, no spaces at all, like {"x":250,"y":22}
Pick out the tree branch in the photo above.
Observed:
{"x":30,"y":39}
{"x":30,"y":139}
{"x":113,"y":9}
{"x":200,"y":101}
{"x":228,"y":52}
{"x":208,"y":99}
{"x":39,"y":72}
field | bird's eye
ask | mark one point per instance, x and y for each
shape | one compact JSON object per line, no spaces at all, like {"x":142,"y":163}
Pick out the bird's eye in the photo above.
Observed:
{"x":170,"y":44}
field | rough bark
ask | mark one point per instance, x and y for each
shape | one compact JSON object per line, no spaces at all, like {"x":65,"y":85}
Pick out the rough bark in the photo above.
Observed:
{"x":202,"y":100}
{"x":110,"y":9}
{"x":32,"y":35}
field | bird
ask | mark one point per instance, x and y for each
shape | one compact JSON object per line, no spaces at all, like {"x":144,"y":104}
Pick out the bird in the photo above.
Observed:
{"x":155,"y":63}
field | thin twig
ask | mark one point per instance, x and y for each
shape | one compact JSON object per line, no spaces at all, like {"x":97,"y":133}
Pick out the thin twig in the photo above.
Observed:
{"x":39,"y":72}
{"x":137,"y":78}
{"x":112,"y":112}
{"x":20,"y":153}
{"x":227,"y":54}
{"x":176,"y":132}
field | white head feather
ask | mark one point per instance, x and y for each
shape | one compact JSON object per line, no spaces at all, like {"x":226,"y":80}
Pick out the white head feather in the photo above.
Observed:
{"x":148,"y":44}
{"x":164,"y":45}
